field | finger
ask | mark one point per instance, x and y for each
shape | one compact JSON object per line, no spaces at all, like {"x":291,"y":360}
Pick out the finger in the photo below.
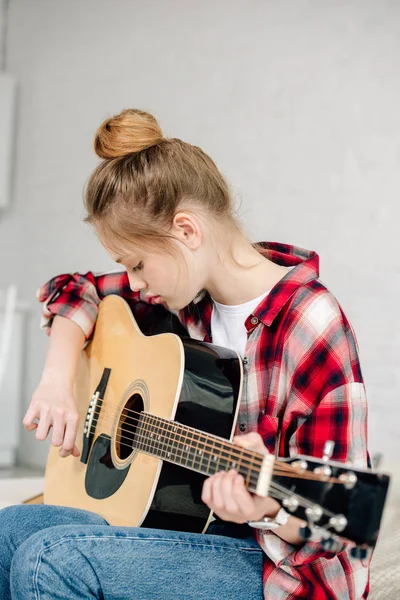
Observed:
{"x":44,"y":425}
{"x":251,"y":441}
{"x":243,"y":498}
{"x":32,"y":427}
{"x":227,"y":484}
{"x":75,"y":451}
{"x":71,"y":429}
{"x":58,"y":431}
{"x":206,"y":494}
{"x":215,"y":492}
{"x":28,"y":420}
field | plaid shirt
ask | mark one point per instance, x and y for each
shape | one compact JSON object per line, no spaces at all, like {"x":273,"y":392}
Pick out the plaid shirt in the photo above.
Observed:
{"x":303,"y":385}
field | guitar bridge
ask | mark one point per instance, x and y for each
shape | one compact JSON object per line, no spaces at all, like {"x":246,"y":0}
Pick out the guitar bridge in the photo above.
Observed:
{"x":93,"y":410}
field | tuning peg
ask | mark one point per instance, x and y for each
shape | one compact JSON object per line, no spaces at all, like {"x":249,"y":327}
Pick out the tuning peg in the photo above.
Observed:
{"x":328,"y":450}
{"x":305,"y":532}
{"x":314,"y":513}
{"x":291,"y":503}
{"x":359,"y":552}
{"x":300,"y":465}
{"x":349,"y":480}
{"x":338,"y":522}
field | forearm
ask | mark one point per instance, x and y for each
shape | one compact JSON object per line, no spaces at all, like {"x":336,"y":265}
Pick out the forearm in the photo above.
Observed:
{"x":66,"y":343}
{"x":290,"y":531}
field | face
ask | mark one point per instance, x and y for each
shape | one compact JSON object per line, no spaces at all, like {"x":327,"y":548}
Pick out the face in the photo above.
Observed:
{"x":160,"y":275}
{"x":176,"y":278}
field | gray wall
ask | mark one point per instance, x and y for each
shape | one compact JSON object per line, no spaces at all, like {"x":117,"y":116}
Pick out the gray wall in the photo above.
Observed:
{"x":297,"y":102}
{"x":2,"y":32}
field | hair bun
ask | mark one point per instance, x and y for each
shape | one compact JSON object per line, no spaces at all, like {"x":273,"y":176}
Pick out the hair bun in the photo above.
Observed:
{"x":131,"y":131}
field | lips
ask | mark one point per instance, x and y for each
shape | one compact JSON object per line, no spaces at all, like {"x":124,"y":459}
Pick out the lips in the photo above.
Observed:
{"x":153,"y":298}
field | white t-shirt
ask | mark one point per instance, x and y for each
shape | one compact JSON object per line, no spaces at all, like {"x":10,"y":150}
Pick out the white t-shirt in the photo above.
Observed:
{"x":227,"y":323}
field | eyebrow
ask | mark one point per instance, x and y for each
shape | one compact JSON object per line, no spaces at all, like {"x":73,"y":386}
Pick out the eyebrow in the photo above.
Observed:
{"x":118,"y":260}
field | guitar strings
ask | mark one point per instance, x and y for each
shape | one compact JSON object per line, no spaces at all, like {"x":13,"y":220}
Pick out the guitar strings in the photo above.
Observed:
{"x":275,"y":489}
{"x":279,"y":491}
{"x":252,"y":458}
{"x":184,"y":431}
{"x":280,"y":466}
{"x":277,"y":470}
{"x":240,"y":456}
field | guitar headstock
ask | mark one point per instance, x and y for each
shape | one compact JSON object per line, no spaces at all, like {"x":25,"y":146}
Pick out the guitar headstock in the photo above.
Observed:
{"x":331,"y":495}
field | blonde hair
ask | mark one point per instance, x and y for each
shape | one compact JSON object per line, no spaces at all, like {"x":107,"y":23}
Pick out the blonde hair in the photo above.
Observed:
{"x":144,"y":178}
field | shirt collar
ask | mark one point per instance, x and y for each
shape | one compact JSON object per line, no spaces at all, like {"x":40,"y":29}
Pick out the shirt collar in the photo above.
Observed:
{"x":306,"y":263}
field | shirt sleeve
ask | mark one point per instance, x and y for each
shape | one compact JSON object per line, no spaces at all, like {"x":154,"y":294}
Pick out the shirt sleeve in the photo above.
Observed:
{"x":324,"y":399}
{"x":77,"y":296}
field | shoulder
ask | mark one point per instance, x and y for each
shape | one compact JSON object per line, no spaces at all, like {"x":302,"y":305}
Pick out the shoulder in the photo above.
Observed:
{"x":319,"y":338}
{"x":315,"y":309}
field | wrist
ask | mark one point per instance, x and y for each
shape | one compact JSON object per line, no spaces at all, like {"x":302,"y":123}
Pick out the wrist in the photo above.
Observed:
{"x":271,"y":522}
{"x":271,"y":514}
{"x":53,"y":376}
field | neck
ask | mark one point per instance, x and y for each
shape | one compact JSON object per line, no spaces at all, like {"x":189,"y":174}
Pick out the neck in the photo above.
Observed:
{"x":242,"y":273}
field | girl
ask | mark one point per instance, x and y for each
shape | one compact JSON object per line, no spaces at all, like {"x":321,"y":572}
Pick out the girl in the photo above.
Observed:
{"x":161,"y":208}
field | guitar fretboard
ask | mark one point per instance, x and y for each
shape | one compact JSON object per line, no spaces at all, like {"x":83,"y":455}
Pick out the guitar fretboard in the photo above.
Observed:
{"x":194,"y":449}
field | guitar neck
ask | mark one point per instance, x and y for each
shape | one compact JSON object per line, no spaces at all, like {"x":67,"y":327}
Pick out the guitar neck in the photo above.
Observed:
{"x":196,"y":450}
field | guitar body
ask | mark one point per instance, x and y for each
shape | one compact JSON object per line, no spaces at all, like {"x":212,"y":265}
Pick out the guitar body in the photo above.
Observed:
{"x":157,"y":416}
{"x":179,"y":379}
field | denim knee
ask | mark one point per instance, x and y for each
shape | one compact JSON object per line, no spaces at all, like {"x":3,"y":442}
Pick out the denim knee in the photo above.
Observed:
{"x":45,"y":565}
{"x":9,"y":516}
{"x":12,"y":523}
{"x":19,"y":522}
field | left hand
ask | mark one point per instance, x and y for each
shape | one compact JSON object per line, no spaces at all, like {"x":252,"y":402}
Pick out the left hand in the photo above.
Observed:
{"x":226,"y":494}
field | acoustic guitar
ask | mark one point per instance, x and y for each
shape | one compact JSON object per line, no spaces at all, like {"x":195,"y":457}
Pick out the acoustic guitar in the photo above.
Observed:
{"x":158,"y":415}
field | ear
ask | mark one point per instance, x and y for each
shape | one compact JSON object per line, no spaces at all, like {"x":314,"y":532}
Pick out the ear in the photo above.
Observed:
{"x":186,"y":228}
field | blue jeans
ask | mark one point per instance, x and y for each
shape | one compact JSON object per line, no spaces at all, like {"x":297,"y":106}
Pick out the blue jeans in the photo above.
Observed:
{"x":57,"y":553}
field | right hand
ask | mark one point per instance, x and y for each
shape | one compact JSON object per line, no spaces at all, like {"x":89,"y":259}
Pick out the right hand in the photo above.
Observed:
{"x":54,"y":406}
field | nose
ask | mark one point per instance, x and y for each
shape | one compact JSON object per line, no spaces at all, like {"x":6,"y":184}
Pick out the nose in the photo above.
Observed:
{"x":135,"y":283}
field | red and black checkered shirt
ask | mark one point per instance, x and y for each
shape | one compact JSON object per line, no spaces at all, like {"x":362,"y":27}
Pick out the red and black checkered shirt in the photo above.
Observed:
{"x":303,"y":385}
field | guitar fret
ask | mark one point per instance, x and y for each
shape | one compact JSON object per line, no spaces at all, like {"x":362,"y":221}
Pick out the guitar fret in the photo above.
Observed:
{"x":216,"y":457}
{"x":183,"y":441}
{"x":141,"y":438}
{"x":197,"y":452}
{"x":161,"y":437}
{"x":169,"y":447}
{"x":144,"y":429}
{"x":152,"y":435}
{"x":203,"y":454}
{"x":174,"y":446}
{"x":190,"y":451}
{"x":211,"y":453}
{"x":181,"y":445}
{"x":150,"y":427}
{"x":138,"y":440}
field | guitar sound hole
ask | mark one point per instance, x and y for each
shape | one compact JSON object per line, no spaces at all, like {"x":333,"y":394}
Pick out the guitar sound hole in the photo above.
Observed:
{"x":127,"y":426}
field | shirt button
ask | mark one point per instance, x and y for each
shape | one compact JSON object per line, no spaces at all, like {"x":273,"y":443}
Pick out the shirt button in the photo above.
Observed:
{"x":254,"y":321}
{"x":245,"y":360}
{"x":242,"y":427}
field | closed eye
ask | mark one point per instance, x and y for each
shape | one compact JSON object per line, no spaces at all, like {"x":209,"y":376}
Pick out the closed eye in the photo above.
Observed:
{"x":138,"y":267}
